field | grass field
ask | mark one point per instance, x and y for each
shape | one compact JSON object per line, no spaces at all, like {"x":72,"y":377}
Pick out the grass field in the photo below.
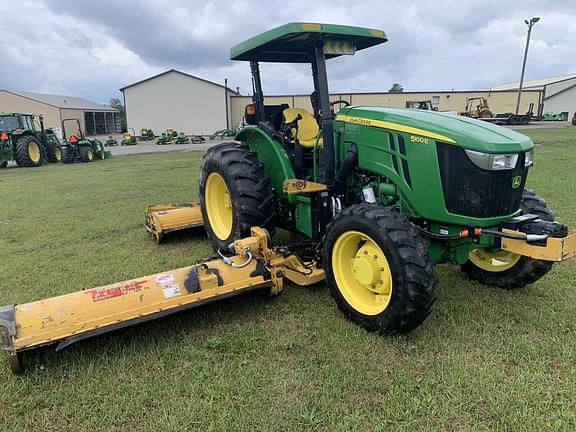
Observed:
{"x":486,"y":359}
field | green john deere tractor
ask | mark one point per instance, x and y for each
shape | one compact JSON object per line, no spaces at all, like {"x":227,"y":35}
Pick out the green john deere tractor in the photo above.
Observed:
{"x":78,"y":148}
{"x":129,"y":138}
{"x":377,"y":196}
{"x":22,"y":142}
{"x":182,"y":138}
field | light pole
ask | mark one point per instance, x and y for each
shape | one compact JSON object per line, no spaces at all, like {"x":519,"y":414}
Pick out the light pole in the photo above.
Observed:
{"x":530,"y":24}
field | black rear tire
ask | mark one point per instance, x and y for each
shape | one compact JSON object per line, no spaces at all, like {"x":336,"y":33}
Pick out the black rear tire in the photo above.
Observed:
{"x":526,"y":270}
{"x":53,"y":150}
{"x":3,"y":164}
{"x":413,"y":283}
{"x":249,"y":188}
{"x":67,"y":155}
{"x":25,"y":148}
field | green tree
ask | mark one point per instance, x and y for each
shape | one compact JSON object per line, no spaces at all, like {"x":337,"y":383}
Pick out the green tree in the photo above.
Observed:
{"x":396,"y":88}
{"x":116,"y":103}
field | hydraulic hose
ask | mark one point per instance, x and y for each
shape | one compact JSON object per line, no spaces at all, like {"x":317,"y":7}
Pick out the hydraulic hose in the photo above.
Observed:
{"x":349,"y":163}
{"x":477,"y":231}
{"x":228,"y":261}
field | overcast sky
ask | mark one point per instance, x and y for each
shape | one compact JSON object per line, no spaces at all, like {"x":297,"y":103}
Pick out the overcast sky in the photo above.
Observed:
{"x":92,"y":48}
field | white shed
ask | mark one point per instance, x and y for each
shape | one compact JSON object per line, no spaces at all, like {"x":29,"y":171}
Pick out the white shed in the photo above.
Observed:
{"x":179,"y":101}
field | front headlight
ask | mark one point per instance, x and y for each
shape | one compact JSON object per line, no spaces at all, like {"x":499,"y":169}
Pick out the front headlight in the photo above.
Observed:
{"x":529,"y":158}
{"x":493,"y":161}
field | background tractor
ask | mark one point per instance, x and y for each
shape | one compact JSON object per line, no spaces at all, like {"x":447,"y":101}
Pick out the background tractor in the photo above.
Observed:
{"x":79,"y":148}
{"x":164,"y":139}
{"x":376,"y":196}
{"x":110,"y":142}
{"x":129,"y":138}
{"x":146,"y":134}
{"x":24,"y":143}
{"x":182,"y":139}
{"x":477,"y":110}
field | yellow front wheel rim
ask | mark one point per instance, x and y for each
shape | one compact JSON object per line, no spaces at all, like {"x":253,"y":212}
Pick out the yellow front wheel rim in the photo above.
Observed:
{"x":496,"y":261}
{"x":34,"y":152}
{"x":218,"y":206}
{"x":362,"y":273}
{"x":58,"y":154}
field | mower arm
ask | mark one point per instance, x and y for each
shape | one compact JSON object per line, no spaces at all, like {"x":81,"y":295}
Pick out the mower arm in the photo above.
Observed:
{"x":72,"y":317}
{"x":554,"y":249}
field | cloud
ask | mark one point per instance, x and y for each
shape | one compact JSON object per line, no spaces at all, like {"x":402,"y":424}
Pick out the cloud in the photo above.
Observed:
{"x":91,"y":49}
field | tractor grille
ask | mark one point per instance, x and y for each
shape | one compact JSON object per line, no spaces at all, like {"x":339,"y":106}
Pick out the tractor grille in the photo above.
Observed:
{"x":471,"y":191}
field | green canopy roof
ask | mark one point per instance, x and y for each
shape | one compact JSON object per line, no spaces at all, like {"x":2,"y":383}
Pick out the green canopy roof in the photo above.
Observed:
{"x":295,"y":42}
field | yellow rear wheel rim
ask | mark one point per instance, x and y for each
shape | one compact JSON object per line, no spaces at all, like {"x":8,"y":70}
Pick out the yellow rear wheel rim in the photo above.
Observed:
{"x":362,"y":273}
{"x":496,"y":261}
{"x":34,"y":152}
{"x":218,"y":206}
{"x":90,"y":155}
{"x":58,"y":154}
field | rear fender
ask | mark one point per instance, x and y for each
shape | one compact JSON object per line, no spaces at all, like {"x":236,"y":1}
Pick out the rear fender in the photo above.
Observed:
{"x":276,"y":162}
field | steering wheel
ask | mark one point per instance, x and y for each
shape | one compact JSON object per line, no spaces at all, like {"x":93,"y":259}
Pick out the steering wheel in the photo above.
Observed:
{"x":338,"y":102}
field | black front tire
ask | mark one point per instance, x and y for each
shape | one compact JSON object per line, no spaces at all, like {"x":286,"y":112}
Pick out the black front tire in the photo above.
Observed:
{"x":412,"y":270}
{"x":86,"y":154}
{"x":526,"y":270}
{"x":250,"y":191}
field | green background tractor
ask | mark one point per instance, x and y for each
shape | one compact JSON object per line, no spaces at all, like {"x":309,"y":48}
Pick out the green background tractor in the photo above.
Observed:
{"x":129,"y":138}
{"x":79,"y":148}
{"x":376,"y":196}
{"x":182,"y":138}
{"x":111,"y":141}
{"x":24,"y":143}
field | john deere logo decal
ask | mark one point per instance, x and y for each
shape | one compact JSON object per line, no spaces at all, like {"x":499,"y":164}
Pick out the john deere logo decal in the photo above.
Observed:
{"x":516,"y":182}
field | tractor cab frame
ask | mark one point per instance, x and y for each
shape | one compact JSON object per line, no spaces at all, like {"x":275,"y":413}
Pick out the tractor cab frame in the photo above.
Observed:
{"x":303,"y":43}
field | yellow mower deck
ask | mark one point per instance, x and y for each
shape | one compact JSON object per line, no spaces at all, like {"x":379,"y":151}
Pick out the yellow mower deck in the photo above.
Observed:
{"x":162,"y":219}
{"x":72,"y":317}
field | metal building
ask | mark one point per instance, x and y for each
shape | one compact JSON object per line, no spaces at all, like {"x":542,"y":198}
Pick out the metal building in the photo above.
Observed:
{"x":499,"y":101}
{"x":95,"y":119}
{"x":559,"y":92}
{"x":177,"y":100}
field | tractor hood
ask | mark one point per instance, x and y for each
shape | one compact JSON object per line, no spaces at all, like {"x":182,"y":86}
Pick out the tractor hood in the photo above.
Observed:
{"x":462,"y":131}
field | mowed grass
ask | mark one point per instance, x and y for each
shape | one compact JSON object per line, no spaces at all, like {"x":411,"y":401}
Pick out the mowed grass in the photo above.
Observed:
{"x":486,"y":359}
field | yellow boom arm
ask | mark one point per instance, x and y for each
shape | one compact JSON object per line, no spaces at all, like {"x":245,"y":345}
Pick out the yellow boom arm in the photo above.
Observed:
{"x":72,"y":317}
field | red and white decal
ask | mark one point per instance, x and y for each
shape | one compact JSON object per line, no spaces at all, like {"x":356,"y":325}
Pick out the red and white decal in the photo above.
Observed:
{"x":165,"y":279}
{"x":99,"y":294}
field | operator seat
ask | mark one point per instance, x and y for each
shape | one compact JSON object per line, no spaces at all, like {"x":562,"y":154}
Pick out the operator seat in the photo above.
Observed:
{"x":306,"y":134}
